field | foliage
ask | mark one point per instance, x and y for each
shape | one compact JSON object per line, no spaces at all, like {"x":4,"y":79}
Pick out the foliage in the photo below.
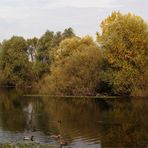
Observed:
{"x":76,"y":68}
{"x":124,"y":41}
{"x":15,"y":68}
{"x":32,"y":48}
{"x":65,"y":64}
{"x":46,"y":47}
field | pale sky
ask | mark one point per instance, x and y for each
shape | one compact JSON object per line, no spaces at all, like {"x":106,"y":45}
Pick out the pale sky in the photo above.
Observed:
{"x":31,"y":18}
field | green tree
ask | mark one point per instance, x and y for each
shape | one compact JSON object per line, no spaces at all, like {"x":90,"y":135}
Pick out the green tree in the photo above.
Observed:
{"x":76,"y":70}
{"x":124,"y":41}
{"x":68,"y":33}
{"x":43,"y":55}
{"x":46,"y":48}
{"x":15,"y":68}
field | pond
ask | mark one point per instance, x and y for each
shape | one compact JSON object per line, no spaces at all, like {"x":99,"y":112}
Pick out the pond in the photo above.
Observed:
{"x":81,"y":122}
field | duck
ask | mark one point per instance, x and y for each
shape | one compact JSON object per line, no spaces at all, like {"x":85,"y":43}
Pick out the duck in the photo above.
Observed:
{"x":28,"y":138}
{"x":63,"y":143}
{"x":56,"y":136}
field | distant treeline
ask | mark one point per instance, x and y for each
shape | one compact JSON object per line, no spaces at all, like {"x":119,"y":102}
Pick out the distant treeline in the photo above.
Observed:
{"x":62,"y":63}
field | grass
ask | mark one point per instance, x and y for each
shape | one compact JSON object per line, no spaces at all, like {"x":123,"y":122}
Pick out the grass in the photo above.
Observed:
{"x":86,"y":97}
{"x":89,"y":97}
{"x":26,"y":145}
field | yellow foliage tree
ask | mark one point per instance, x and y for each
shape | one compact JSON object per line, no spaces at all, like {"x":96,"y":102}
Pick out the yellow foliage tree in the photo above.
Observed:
{"x":124,"y":40}
{"x":76,"y":70}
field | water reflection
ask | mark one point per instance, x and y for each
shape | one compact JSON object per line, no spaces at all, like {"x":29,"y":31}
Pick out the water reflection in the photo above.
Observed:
{"x":81,"y":122}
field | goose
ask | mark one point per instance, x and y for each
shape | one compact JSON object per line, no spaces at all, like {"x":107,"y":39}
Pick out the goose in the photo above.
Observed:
{"x":28,"y":138}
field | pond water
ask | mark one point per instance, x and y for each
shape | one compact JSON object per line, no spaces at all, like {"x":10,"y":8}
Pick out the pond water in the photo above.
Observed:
{"x":83,"y":123}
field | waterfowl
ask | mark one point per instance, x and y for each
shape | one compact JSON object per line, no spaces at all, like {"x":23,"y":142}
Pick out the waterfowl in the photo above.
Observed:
{"x":28,"y":138}
{"x":63,"y":143}
{"x":56,"y":136}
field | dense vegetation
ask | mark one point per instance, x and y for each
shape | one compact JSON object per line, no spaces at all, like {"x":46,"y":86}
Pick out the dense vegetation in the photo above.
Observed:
{"x":124,"y":42}
{"x":62,"y":63}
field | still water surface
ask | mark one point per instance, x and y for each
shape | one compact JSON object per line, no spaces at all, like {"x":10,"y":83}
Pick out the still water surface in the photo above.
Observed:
{"x":83,"y":123}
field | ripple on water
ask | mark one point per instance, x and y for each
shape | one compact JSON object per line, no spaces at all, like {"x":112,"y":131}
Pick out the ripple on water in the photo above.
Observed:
{"x":79,"y":143}
{"x":82,"y":140}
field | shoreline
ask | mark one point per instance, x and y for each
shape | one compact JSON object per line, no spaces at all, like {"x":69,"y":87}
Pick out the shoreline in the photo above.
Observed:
{"x":24,"y":145}
{"x":88,"y":97}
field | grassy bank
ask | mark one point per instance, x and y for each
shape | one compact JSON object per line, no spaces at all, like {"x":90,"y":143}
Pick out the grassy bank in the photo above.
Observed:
{"x":89,"y":97}
{"x":23,"y":145}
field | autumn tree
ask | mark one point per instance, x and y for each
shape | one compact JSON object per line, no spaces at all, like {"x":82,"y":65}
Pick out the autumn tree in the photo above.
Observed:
{"x":76,"y":70}
{"x":124,"y":41}
{"x":15,"y":68}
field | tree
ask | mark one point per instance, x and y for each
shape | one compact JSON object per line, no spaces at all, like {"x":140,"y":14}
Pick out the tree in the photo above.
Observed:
{"x":15,"y":68}
{"x":76,"y":68}
{"x":46,"y":47}
{"x":68,"y":33}
{"x":124,"y":41}
{"x":32,"y":48}
{"x":43,"y":59}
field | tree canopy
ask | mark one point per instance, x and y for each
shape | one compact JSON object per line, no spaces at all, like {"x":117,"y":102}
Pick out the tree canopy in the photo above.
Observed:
{"x":65,"y":64}
{"x":15,"y":68}
{"x":124,"y":41}
{"x":46,"y":47}
{"x":76,"y":68}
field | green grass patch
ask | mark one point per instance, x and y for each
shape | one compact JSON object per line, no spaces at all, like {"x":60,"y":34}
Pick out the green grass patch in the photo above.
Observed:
{"x":26,"y":145}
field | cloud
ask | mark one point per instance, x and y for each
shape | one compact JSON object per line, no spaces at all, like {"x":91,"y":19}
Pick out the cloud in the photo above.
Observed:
{"x":32,"y":17}
{"x":15,"y":10}
{"x":20,"y":3}
{"x":84,"y":3}
{"x":59,"y":3}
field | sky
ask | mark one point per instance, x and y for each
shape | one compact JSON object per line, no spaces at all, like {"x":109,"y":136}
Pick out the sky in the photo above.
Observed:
{"x":29,"y":18}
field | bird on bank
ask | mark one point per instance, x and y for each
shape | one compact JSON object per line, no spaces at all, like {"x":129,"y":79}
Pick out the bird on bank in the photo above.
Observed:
{"x":63,"y":143}
{"x":56,"y":136}
{"x":29,"y":138}
{"x":60,"y":139}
